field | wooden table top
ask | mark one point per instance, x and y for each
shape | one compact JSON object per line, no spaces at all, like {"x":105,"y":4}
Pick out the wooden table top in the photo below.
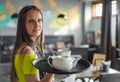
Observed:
{"x":95,"y":74}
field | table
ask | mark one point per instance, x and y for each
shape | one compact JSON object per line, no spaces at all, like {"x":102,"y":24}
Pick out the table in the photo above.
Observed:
{"x":5,"y":69}
{"x":93,"y":74}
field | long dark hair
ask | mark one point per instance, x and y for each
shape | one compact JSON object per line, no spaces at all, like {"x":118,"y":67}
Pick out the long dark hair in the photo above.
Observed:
{"x":22,"y":36}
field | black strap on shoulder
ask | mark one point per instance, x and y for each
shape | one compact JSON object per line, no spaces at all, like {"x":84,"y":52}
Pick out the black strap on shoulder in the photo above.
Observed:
{"x":38,"y":52}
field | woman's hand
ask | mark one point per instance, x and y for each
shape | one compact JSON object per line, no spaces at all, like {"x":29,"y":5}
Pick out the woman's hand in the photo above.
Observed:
{"x":53,"y":79}
{"x":48,"y":78}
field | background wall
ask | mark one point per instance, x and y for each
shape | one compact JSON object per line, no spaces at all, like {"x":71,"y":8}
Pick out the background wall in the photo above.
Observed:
{"x":94,"y":24}
{"x":72,"y":7}
{"x":53,"y":28}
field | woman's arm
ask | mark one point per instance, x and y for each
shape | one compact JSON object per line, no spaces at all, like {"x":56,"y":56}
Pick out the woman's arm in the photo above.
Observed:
{"x":35,"y":78}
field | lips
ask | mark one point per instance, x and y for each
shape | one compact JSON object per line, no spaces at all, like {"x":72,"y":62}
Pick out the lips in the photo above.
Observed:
{"x":37,"y":30}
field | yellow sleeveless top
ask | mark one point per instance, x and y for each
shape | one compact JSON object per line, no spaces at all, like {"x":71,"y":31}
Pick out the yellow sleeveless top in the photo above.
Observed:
{"x":25,"y":66}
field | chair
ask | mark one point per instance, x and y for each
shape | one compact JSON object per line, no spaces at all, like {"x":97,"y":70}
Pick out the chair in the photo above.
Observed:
{"x":115,"y":77}
{"x":98,"y":58}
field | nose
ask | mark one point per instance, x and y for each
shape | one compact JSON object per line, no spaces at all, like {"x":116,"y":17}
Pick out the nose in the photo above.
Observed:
{"x":36,"y":24}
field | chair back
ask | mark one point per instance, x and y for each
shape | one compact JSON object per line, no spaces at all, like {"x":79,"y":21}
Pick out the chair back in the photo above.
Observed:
{"x":98,"y":58}
{"x":115,"y":77}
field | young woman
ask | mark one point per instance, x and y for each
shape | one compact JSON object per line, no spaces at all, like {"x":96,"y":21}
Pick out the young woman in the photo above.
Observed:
{"x":29,"y":33}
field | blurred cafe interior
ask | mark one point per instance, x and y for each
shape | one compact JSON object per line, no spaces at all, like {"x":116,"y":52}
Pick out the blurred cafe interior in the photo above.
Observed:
{"x":85,"y":27}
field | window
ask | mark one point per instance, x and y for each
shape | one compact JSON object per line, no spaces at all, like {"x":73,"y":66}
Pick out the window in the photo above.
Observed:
{"x":114,"y":6}
{"x":97,"y":9}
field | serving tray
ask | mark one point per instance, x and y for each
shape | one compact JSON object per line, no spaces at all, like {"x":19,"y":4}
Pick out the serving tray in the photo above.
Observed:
{"x":43,"y":66}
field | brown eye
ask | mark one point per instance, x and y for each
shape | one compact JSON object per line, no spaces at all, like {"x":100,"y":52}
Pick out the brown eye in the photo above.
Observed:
{"x":31,"y":21}
{"x":39,"y":20}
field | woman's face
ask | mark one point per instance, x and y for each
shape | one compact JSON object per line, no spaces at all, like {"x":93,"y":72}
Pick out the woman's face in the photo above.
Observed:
{"x":34,"y":23}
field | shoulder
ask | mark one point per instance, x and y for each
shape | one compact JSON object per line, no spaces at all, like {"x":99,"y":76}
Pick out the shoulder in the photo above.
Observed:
{"x":28,"y":50}
{"x":25,"y":50}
